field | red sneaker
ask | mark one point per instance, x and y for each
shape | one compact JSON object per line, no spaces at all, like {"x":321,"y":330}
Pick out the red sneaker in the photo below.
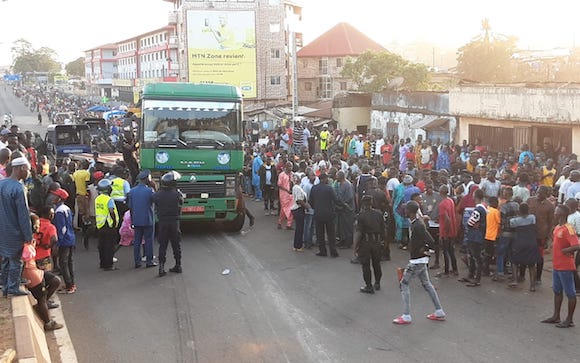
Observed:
{"x":435,"y":317}
{"x":400,"y":321}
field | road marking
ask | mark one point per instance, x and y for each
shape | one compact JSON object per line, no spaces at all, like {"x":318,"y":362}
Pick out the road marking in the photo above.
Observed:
{"x":65,"y":345}
{"x":299,"y":321}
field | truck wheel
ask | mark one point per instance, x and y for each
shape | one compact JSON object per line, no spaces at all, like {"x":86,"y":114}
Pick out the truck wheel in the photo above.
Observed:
{"x":236,"y":225}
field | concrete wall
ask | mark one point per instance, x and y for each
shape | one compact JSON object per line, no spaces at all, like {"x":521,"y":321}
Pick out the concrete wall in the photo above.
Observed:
{"x":436,"y":103}
{"x":349,"y":118}
{"x":379,"y":120}
{"x":542,"y":105}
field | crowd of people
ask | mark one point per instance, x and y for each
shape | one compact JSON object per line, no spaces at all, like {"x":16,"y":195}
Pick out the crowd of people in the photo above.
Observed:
{"x":499,"y":212}
{"x":44,"y":205}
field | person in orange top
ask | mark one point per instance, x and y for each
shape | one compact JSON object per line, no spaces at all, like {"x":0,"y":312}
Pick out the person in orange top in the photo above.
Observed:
{"x":565,"y":244}
{"x":492,"y":228}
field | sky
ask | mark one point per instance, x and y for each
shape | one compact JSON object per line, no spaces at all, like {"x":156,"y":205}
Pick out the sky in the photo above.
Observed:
{"x":72,"y":26}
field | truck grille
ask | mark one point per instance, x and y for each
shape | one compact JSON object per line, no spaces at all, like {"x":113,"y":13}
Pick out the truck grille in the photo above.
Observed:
{"x":216,"y":189}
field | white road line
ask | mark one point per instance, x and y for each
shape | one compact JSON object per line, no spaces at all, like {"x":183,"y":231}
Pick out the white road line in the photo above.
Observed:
{"x":298,"y":320}
{"x":65,"y":345}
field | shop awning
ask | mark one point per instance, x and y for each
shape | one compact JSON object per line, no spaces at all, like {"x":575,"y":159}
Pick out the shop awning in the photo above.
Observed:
{"x":430,"y":122}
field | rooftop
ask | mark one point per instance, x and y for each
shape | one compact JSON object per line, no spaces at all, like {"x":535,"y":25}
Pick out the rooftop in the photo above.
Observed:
{"x":340,"y":41}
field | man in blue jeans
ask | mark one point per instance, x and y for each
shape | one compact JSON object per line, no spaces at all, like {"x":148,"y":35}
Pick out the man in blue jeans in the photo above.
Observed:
{"x":140,"y":200}
{"x":418,"y":248}
{"x":15,"y":227}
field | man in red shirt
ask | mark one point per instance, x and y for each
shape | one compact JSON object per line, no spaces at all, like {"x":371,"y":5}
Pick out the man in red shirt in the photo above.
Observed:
{"x":447,"y":229}
{"x":387,"y":152}
{"x":45,"y":238}
{"x":565,"y":244}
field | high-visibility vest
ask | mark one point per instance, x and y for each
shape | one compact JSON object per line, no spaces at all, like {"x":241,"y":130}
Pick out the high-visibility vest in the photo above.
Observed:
{"x":324,"y":135}
{"x":117,"y":191}
{"x":102,"y":214}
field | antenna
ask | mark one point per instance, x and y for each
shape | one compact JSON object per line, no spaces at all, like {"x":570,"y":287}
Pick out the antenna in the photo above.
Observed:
{"x":395,"y":83}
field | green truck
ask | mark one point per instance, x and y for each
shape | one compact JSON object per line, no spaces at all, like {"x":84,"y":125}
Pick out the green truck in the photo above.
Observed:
{"x":196,"y":130}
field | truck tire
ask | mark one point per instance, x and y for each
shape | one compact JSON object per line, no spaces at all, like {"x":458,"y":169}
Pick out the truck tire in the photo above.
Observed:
{"x":236,"y":225}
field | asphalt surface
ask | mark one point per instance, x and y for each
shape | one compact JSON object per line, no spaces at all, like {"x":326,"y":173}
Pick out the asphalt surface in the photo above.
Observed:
{"x":277,"y":305}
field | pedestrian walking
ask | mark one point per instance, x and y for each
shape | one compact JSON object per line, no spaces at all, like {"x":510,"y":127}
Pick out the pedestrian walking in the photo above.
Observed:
{"x":417,"y":267}
{"x":140,"y":202}
{"x":168,"y":201}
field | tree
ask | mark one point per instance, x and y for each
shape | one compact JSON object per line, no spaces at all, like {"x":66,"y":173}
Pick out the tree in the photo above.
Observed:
{"x":28,"y":59}
{"x":76,"y":67}
{"x":372,"y":71}
{"x":488,"y":57}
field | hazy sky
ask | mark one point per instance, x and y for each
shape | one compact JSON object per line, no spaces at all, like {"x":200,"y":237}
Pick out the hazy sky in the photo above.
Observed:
{"x":448,"y":23}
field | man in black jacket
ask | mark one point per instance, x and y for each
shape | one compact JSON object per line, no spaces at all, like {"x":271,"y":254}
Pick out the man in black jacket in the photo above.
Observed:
{"x":417,"y":267}
{"x":323,"y":200}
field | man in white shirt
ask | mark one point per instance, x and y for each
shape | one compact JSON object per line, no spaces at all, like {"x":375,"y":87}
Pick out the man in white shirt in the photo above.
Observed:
{"x":393,"y":181}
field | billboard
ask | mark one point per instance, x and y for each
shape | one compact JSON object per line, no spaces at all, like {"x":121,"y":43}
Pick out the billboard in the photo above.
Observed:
{"x":221,"y":48}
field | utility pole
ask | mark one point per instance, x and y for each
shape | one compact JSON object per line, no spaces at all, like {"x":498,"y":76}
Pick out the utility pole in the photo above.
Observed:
{"x":294,"y":79}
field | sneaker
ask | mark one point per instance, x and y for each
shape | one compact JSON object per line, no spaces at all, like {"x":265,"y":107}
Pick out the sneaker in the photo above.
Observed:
{"x":51,"y":304}
{"x":367,"y":289}
{"x":115,"y":260}
{"x":435,"y":317}
{"x":401,"y":321}
{"x":377,"y":286}
{"x":52,"y":325}
{"x":176,"y":269}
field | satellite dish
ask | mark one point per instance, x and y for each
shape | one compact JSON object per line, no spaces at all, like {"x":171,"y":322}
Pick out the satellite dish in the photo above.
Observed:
{"x":395,"y":83}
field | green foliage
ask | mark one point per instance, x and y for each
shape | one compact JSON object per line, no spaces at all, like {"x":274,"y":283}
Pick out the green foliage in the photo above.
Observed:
{"x":76,"y":67}
{"x":487,"y":58}
{"x":372,"y":71}
{"x":28,"y":59}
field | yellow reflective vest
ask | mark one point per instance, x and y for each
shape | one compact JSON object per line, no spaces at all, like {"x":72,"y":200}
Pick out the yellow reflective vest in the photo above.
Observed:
{"x":102,"y":214}
{"x":324,"y":136}
{"x":118,"y":193}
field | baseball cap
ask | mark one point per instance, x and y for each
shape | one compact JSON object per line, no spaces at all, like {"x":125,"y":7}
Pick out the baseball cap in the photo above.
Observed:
{"x":61,"y":193}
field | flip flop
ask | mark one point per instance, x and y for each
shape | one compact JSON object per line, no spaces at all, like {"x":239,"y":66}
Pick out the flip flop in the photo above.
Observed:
{"x":464,"y":279}
{"x":550,"y":321}
{"x":565,"y":324}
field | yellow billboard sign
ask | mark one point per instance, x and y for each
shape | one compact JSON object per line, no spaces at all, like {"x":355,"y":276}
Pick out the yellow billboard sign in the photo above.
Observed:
{"x":222,"y":48}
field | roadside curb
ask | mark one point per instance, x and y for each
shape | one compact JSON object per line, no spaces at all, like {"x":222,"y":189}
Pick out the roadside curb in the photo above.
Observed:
{"x":31,"y":345}
{"x":31,"y":341}
{"x":65,"y":346}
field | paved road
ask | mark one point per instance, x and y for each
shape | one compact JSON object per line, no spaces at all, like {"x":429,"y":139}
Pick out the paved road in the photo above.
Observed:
{"x":280,"y":306}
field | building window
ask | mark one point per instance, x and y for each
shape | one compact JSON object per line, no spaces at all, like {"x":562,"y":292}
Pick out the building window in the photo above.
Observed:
{"x":323,"y":66}
{"x":338,"y":62}
{"x":305,"y":63}
{"x":324,"y":87}
{"x":343,"y":86}
{"x":308,"y":86}
{"x":275,"y":53}
{"x":275,"y":80}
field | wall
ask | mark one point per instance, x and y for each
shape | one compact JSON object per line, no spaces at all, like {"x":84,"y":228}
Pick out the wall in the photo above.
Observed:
{"x":463,"y":130}
{"x":432,"y":103}
{"x":379,"y":120}
{"x":349,"y":118}
{"x":542,"y":105}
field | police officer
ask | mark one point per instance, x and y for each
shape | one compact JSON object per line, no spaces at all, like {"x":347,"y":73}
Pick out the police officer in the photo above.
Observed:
{"x":107,"y":220}
{"x":120,"y":187}
{"x":168,"y":201}
{"x":368,"y":247}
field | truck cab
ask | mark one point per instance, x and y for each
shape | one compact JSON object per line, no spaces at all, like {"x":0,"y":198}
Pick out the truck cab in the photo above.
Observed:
{"x":63,"y":140}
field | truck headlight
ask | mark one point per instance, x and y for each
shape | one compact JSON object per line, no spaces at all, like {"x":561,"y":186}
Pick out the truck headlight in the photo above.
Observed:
{"x":230,"y":186}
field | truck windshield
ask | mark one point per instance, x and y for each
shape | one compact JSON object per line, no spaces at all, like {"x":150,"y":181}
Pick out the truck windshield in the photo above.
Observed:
{"x":191,"y":124}
{"x":71,"y":136}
